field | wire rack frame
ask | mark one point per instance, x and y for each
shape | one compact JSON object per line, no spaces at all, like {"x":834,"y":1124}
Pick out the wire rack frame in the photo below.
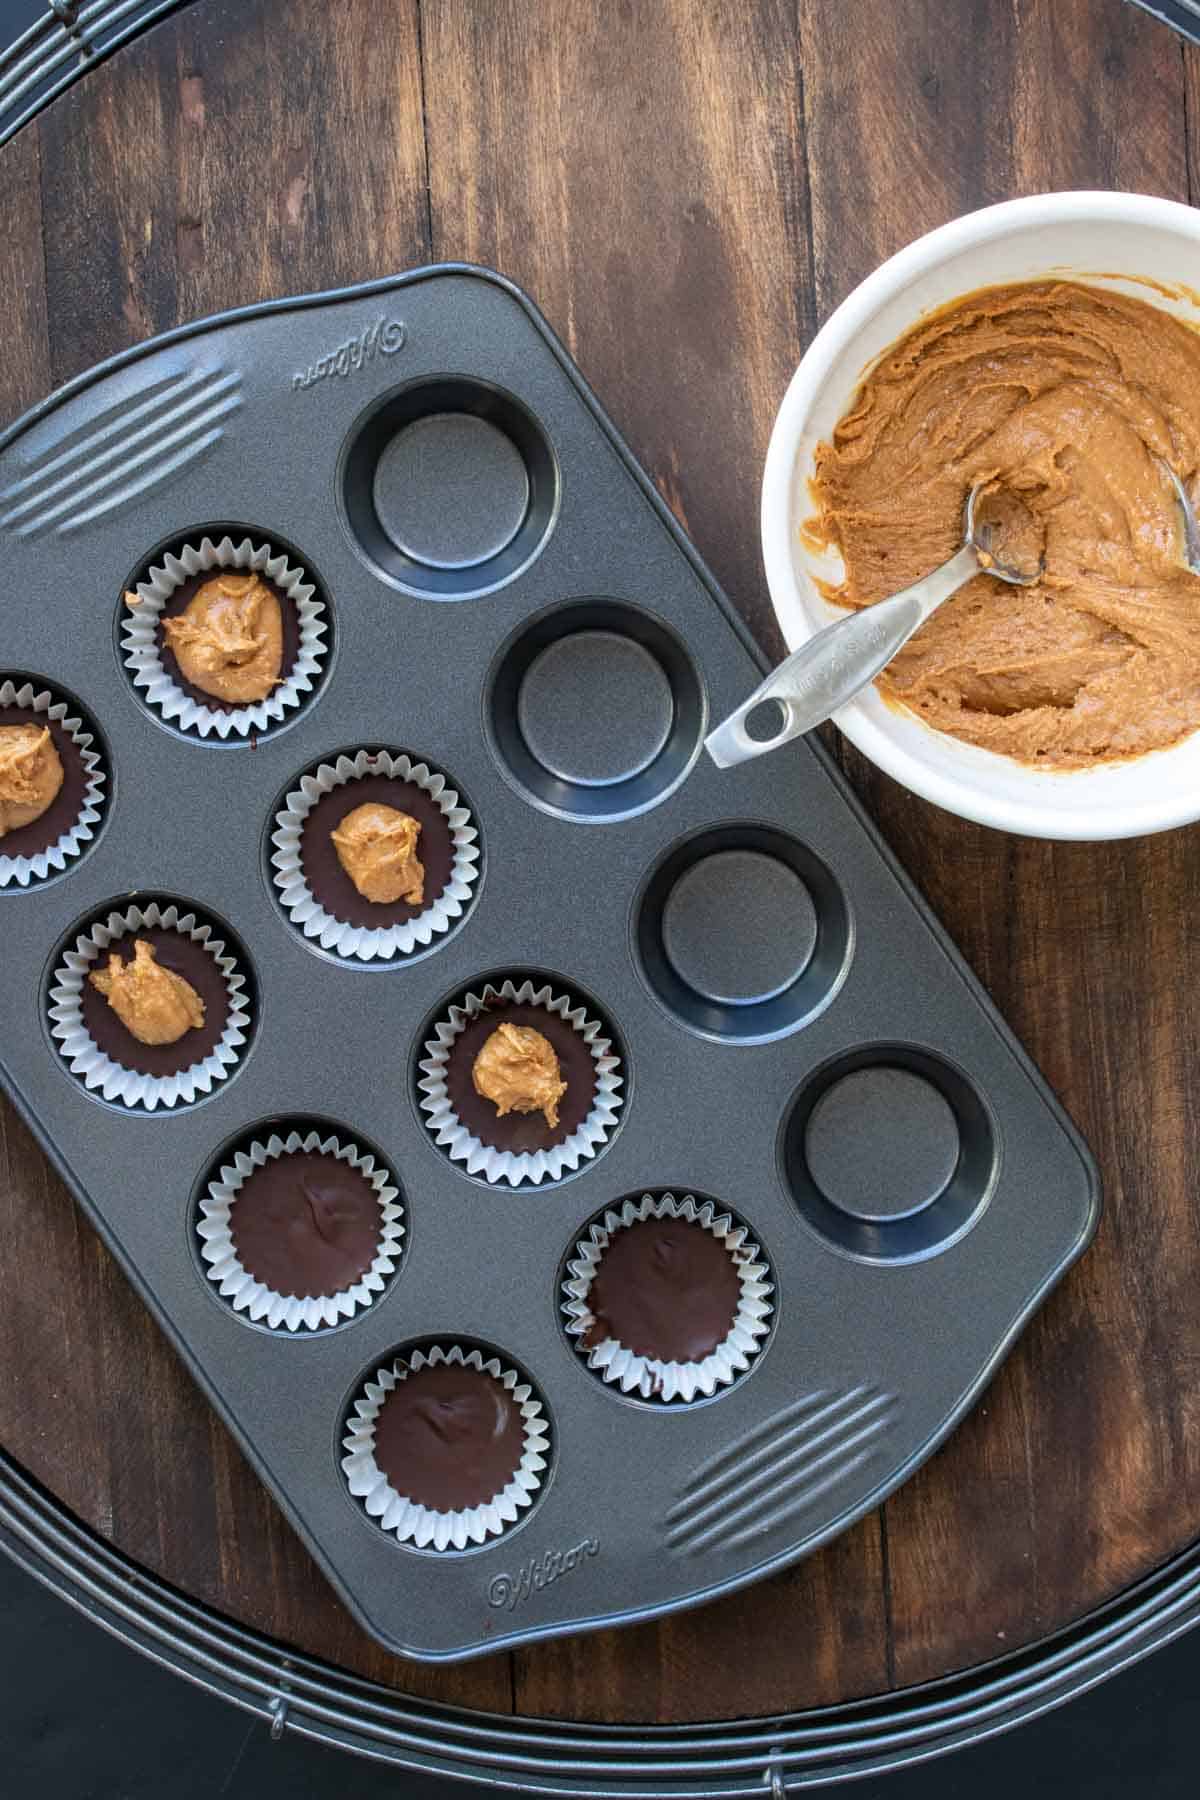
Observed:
{"x":69,"y":39}
{"x":294,"y":1693}
{"x":1184,"y":15}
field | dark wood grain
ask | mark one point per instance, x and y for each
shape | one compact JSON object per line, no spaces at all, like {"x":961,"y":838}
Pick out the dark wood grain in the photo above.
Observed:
{"x":25,"y":369}
{"x":674,"y":172}
{"x":231,"y":154}
{"x":984,"y":1547}
{"x":687,"y":191}
{"x":640,"y":168}
{"x":236,"y":152}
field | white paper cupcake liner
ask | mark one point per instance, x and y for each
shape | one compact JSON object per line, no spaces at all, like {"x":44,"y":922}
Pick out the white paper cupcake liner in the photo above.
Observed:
{"x":420,"y":1525}
{"x":253,"y":1297}
{"x":91,"y":1064}
{"x":515,"y":1167}
{"x":19,"y":871}
{"x":366,"y":943}
{"x":648,"y":1376}
{"x":140,"y":647}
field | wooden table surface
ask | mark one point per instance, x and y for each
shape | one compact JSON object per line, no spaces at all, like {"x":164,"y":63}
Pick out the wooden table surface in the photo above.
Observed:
{"x":686,"y":189}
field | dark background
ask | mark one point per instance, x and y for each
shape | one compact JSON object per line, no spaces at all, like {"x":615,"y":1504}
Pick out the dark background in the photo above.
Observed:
{"x":16,"y":15}
{"x":84,"y":1718}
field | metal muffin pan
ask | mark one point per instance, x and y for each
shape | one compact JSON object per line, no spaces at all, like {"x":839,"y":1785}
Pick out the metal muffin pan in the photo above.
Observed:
{"x":800,"y":1043}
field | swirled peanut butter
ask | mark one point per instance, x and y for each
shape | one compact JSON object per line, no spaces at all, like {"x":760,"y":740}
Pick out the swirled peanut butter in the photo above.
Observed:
{"x":154,"y":1004}
{"x":228,"y":640}
{"x":1068,"y":397}
{"x":31,"y":773}
{"x":377,"y":847}
{"x":518,"y":1071}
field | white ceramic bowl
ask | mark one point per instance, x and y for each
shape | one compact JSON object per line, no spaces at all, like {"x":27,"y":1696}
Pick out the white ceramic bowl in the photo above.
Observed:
{"x":1086,"y":236}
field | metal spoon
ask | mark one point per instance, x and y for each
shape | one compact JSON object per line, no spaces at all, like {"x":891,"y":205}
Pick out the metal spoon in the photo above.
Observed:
{"x":1190,"y":532}
{"x":832,"y":667}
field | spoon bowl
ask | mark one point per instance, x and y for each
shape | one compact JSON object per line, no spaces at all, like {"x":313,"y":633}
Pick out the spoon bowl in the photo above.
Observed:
{"x":1189,"y":531}
{"x":835,"y":665}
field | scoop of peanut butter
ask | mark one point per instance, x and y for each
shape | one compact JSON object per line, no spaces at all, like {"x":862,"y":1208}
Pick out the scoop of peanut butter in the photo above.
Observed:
{"x":377,"y":847}
{"x":518,"y":1071}
{"x":228,"y":640}
{"x":154,"y":1004}
{"x":31,"y":774}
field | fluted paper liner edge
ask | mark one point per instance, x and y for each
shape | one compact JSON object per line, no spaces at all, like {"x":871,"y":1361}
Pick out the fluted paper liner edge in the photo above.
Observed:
{"x":366,"y":943}
{"x":93,"y":1066}
{"x":20,"y":871}
{"x":509,"y":1166}
{"x":651,"y":1378}
{"x":409,"y":1520}
{"x":141,"y":652}
{"x":244,"y":1291}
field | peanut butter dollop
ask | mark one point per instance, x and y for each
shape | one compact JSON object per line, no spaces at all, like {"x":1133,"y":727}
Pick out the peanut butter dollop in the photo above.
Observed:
{"x":228,"y":640}
{"x":154,"y":1004}
{"x":377,"y":847}
{"x":31,"y":774}
{"x":518,"y":1071}
{"x":1067,"y":396}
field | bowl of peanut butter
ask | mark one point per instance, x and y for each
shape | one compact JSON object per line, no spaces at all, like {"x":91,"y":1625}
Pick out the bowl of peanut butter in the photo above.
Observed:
{"x":1051,"y":345}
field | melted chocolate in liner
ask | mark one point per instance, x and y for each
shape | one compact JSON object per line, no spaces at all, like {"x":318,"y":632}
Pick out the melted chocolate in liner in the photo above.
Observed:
{"x":179,"y":602}
{"x":449,"y":1437}
{"x":664,"y":1288}
{"x":183,"y":956}
{"x":67,"y":804}
{"x":306,"y":1224}
{"x":521,"y":1131}
{"x":329,"y":881}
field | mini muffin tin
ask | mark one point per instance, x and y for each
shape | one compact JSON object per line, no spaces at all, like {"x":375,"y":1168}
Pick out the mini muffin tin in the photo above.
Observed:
{"x":511,"y":605}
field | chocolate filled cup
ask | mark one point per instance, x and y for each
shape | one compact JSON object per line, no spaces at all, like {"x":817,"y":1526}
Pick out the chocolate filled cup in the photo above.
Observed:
{"x":301,"y":1232}
{"x":514,"y":1147}
{"x":445,"y":1447}
{"x":105,"y":1055}
{"x":667,"y":1298}
{"x":315,"y":889}
{"x":46,"y":845}
{"x":168,"y":587}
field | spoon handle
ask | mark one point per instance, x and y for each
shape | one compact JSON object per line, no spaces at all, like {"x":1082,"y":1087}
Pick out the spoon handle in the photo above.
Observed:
{"x":832,"y":667}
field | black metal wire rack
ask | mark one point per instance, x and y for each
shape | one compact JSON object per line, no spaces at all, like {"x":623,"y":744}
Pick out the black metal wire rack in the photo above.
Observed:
{"x":62,"y":44}
{"x":734,"y":1761}
{"x":1184,"y":15}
